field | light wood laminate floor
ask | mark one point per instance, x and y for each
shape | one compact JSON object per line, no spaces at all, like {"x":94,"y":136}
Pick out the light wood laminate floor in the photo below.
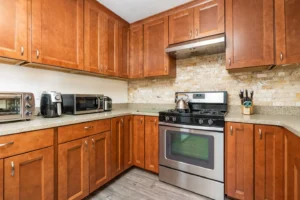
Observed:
{"x":137,"y":184}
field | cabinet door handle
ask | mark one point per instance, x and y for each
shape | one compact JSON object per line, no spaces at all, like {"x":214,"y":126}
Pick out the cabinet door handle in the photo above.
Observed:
{"x":281,"y":56}
{"x":191,"y":34}
{"x":86,"y":145}
{"x":260,"y":134}
{"x":12,"y":168}
{"x":88,"y":127}
{"x":155,"y":122}
{"x":229,"y":61}
{"x":6,"y":144}
{"x":93,"y":143}
{"x":231,"y":130}
{"x":122,"y":121}
{"x":141,"y":120}
{"x":196,"y":32}
{"x":37,"y":54}
{"x":22,"y":50}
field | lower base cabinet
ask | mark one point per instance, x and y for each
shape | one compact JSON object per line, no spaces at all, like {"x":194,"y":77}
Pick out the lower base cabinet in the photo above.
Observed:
{"x":128,"y":142}
{"x":99,"y":155}
{"x":117,"y":131}
{"x":29,"y":175}
{"x":73,"y":170}
{"x":139,"y":141}
{"x":1,"y":180}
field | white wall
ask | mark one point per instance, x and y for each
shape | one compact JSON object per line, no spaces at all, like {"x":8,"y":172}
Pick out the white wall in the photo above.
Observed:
{"x":25,"y":79}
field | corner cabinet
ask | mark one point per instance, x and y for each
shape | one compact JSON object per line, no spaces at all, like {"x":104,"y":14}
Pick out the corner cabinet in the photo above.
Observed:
{"x":57,"y":35}
{"x":249,"y":33}
{"x":14,"y":29}
{"x":30,"y":175}
{"x":156,"y":40}
{"x":151,"y":144}
{"x":136,"y":58}
{"x":287,"y":19}
{"x":239,"y":159}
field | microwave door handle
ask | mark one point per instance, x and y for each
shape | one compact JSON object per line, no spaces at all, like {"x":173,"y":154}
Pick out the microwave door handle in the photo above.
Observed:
{"x":99,"y":103}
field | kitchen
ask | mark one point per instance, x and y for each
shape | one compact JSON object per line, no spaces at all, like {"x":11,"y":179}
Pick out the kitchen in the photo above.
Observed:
{"x":154,"y":100}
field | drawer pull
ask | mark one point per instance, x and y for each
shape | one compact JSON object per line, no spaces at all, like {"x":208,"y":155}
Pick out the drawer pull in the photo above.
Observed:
{"x":6,"y":144}
{"x":88,"y":127}
{"x":12,"y":169}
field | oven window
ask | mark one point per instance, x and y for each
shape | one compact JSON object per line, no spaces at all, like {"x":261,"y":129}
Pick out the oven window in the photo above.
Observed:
{"x":10,"y":106}
{"x":194,"y":149}
{"x":86,"y":103}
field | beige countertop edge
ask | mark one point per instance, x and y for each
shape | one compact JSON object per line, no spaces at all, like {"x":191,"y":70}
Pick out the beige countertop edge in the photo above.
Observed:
{"x":292,"y":123}
{"x":40,"y":123}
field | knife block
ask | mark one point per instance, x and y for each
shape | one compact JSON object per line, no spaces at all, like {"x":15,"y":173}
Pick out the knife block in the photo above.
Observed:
{"x":247,"y":111}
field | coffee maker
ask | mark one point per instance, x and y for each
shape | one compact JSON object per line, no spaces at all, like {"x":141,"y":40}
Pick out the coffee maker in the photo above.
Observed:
{"x":51,"y":104}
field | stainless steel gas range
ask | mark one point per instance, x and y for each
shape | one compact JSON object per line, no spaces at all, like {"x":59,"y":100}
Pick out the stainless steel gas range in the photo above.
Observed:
{"x":192,"y":144}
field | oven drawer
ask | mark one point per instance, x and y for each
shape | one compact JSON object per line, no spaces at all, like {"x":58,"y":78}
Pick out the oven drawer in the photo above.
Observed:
{"x":11,"y":145}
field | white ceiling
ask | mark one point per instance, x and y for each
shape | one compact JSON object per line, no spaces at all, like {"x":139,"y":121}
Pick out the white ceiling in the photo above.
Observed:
{"x":134,"y":10}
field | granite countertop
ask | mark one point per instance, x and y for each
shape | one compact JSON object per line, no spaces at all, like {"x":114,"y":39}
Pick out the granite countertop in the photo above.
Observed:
{"x":290,"y":122}
{"x":43,"y":123}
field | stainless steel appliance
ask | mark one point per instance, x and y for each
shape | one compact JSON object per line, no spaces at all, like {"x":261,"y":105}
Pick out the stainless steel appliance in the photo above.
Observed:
{"x":191,"y":142}
{"x":107,"y":103}
{"x":16,"y":106}
{"x":51,"y":104}
{"x":77,"y":104}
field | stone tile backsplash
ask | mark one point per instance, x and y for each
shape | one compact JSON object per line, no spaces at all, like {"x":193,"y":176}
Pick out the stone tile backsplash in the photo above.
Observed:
{"x":277,"y":87}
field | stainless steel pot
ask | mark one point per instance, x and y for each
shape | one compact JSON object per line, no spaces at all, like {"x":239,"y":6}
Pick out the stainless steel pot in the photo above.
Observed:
{"x":182,"y":104}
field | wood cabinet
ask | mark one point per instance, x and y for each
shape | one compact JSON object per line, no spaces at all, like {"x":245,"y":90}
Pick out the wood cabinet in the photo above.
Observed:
{"x":136,"y":58}
{"x":139,"y":141}
{"x":156,"y":39}
{"x":30,"y":175}
{"x":99,"y":158}
{"x":151,"y":143}
{"x":128,"y":142}
{"x":1,"y":180}
{"x":57,"y":33}
{"x":73,"y":169}
{"x":117,"y":129}
{"x":14,"y":29}
{"x":249,"y":33}
{"x":287,"y":19}
{"x":239,"y":160}
{"x":123,"y":58}
{"x":268,"y":162}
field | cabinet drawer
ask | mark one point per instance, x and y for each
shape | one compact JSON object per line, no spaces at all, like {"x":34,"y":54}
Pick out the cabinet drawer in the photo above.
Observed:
{"x":73,"y":132}
{"x":25,"y":142}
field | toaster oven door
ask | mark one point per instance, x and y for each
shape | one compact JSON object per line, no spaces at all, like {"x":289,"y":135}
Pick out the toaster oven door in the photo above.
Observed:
{"x":10,"y":107}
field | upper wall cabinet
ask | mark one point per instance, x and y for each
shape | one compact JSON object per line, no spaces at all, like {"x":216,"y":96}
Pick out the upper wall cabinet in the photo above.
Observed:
{"x":57,"y":33}
{"x":13,"y":26}
{"x":203,"y":20}
{"x":136,"y":52}
{"x":156,"y":61}
{"x":123,"y":58}
{"x":287,"y":17}
{"x":249,"y":33}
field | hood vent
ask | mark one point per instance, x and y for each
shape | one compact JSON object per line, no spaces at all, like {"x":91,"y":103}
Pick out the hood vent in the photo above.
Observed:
{"x":209,"y":45}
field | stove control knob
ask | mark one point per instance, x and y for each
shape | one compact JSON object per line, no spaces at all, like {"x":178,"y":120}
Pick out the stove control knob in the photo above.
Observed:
{"x":201,"y":121}
{"x":174,"y":119}
{"x":210,"y":121}
{"x":167,"y":118}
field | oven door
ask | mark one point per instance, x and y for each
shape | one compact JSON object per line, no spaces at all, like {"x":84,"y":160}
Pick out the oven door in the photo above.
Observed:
{"x":87,"y":104}
{"x":10,"y":107}
{"x":198,"y":152}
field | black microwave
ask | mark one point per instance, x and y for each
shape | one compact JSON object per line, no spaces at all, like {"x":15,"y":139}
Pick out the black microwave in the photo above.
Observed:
{"x":77,"y":104}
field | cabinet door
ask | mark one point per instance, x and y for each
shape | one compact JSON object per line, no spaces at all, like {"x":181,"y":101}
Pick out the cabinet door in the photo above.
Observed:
{"x":181,"y":25}
{"x":13,"y":26}
{"x":57,"y":33}
{"x":1,"y":180}
{"x":287,"y":19}
{"x":128,"y":142}
{"x":249,"y":33}
{"x":99,"y":160}
{"x":268,"y":163}
{"x":151,"y":144}
{"x":155,"y":43}
{"x":123,"y":58}
{"x":209,"y":18}
{"x":291,"y":166}
{"x":110,"y":41}
{"x":139,"y":141}
{"x":93,"y":51}
{"x":136,"y":58}
{"x":30,"y":176}
{"x":117,"y":128}
{"x":73,"y":170}
{"x":239,"y":160}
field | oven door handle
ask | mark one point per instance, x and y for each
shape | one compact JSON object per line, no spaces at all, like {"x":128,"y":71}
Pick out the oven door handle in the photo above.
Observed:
{"x":205,"y":128}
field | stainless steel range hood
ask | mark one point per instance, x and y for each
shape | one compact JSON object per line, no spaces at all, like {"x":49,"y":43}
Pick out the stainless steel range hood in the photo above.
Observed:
{"x":208,"y":45}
